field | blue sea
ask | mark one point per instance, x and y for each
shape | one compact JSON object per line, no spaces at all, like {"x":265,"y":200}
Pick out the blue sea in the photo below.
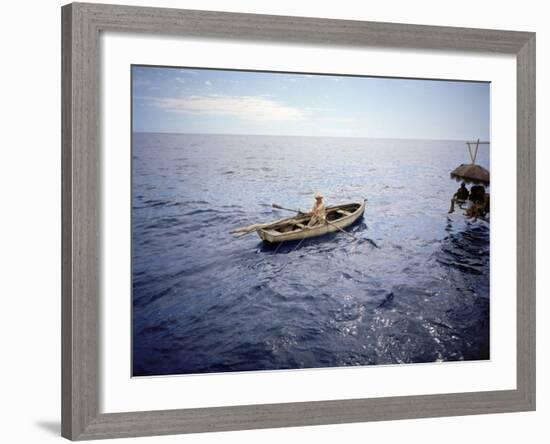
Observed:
{"x":413,"y":289}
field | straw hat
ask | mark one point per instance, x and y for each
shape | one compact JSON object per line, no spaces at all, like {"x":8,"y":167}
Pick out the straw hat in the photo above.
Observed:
{"x":318,"y":196}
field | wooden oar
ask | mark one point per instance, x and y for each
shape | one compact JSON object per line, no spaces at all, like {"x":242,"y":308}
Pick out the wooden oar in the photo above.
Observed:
{"x":256,"y":227}
{"x":328,"y":222}
{"x":278,"y":207}
{"x":250,"y":228}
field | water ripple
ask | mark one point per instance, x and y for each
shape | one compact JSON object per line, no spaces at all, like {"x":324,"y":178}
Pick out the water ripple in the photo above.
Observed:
{"x":414,"y":288}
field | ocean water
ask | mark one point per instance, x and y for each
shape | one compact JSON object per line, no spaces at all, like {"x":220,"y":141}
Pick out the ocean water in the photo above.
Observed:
{"x":413,"y":289}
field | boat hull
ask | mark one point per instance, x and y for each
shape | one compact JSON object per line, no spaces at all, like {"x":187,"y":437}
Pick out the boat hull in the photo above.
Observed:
{"x":272,"y":235}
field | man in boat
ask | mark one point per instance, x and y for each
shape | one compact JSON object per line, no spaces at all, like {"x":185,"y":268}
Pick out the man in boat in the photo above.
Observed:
{"x":318,"y":212}
{"x":460,"y":196}
{"x":477,"y":195}
{"x":480,"y":202}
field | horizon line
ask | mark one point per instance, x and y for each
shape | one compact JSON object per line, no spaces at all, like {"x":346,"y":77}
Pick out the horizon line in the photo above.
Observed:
{"x":295,"y":135}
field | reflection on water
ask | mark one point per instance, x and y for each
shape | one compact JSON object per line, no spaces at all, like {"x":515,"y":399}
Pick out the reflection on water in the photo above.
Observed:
{"x":414,"y":288}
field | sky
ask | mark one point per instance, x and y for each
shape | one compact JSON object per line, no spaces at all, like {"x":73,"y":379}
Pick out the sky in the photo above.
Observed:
{"x":191,"y":100}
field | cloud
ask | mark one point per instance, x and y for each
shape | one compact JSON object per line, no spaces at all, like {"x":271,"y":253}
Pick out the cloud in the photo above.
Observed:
{"x":180,"y":79}
{"x":188,"y":71}
{"x":208,"y":83}
{"x":255,"y":108}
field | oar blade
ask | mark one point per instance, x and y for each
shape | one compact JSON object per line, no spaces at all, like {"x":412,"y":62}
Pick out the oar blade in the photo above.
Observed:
{"x":248,"y":228}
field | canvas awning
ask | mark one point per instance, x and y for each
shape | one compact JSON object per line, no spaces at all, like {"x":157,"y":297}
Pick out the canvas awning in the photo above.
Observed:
{"x":471,"y":173}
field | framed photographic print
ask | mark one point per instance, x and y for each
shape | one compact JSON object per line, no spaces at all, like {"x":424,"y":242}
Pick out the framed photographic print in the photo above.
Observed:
{"x":278,"y":221}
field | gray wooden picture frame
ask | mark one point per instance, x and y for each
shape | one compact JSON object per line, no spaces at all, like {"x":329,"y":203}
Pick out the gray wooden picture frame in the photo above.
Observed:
{"x":81,"y":234}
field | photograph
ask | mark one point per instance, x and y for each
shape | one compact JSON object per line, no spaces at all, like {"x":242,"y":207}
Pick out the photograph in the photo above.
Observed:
{"x":286,"y":221}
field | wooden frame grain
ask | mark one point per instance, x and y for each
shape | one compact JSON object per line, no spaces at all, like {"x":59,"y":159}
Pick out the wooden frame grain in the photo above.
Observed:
{"x":81,"y":166}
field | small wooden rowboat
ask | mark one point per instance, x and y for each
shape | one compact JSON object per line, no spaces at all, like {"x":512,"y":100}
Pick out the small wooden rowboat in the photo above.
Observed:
{"x":295,"y":228}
